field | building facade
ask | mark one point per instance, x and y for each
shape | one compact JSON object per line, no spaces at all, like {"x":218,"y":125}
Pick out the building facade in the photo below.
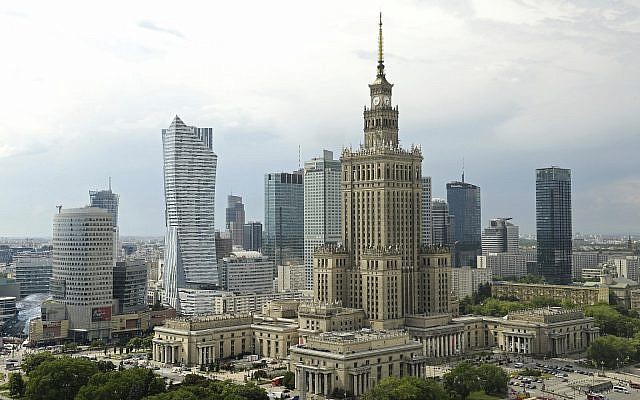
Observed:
{"x":580,"y":295}
{"x":189,"y":189}
{"x":345,"y":360}
{"x":426,"y":223}
{"x":501,"y":236}
{"x":291,"y":277}
{"x":235,"y":219}
{"x":82,"y":274}
{"x":283,"y":239}
{"x":441,"y":225}
{"x":33,"y":272}
{"x":246,"y":272}
{"x":321,"y":207}
{"x":464,"y":206}
{"x":130,"y":286}
{"x":553,"y":224}
{"x":252,"y":240}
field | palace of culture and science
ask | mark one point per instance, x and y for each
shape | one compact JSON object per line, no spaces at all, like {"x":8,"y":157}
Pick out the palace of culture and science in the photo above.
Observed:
{"x":382,"y":301}
{"x":381,"y":266}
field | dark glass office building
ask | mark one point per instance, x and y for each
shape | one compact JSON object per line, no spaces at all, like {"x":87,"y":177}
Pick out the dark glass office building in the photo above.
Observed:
{"x":283,"y":240}
{"x":252,"y":236}
{"x":553,"y":224}
{"x":464,"y":208}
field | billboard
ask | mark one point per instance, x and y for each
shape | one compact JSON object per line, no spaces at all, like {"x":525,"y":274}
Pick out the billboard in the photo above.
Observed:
{"x":99,"y":314}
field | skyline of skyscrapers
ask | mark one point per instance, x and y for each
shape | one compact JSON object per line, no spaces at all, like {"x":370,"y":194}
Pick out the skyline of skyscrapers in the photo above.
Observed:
{"x":464,"y":208}
{"x":322,"y":224}
{"x":553,"y":224}
{"x":283,"y":238}
{"x":189,"y":186}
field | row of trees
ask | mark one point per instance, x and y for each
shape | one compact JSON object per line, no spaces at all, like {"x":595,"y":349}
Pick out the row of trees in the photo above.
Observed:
{"x":457,"y":384}
{"x":53,"y":378}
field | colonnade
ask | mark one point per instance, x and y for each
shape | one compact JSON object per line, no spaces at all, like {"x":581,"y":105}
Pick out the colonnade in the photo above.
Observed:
{"x":165,"y":352}
{"x":315,"y":381}
{"x":518,"y":344}
{"x":444,"y":345}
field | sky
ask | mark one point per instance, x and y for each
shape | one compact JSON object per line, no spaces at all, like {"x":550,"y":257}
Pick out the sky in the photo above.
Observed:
{"x":507,"y":85}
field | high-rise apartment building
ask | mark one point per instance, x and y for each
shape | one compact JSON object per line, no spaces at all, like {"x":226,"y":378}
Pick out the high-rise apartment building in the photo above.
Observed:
{"x":440,"y":223}
{"x":283,"y":240}
{"x":252,"y":236}
{"x":501,"y":236}
{"x":426,"y":223}
{"x":464,"y":206}
{"x":553,"y":224}
{"x":380,"y":266}
{"x":189,"y":189}
{"x":82,"y":278}
{"x":33,"y":271}
{"x":321,"y":207}
{"x":235,"y":219}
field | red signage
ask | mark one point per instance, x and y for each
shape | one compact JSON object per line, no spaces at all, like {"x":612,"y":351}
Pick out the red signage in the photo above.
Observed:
{"x":99,"y":314}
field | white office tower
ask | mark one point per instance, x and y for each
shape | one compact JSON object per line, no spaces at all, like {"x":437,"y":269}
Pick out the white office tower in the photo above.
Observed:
{"x":189,"y":190}
{"x":322,"y":180}
{"x":425,"y":223}
{"x":500,"y":236}
{"x":82,"y":274}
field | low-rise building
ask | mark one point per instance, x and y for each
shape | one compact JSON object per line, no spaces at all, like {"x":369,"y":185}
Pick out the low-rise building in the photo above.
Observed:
{"x":578,"y":294}
{"x":354,"y":361}
{"x":316,"y":317}
{"x":201,"y":340}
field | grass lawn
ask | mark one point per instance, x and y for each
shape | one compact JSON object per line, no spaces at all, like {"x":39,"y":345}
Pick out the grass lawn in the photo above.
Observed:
{"x":480,"y":395}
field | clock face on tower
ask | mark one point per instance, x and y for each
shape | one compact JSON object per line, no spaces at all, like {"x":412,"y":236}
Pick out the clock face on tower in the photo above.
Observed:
{"x":387,"y":100}
{"x":376,"y":100}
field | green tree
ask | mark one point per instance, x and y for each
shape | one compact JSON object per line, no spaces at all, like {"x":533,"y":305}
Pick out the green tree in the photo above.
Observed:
{"x":406,"y":388}
{"x":16,"y":384}
{"x":130,"y":384}
{"x":611,"y":350}
{"x":60,"y":378}
{"x":461,"y":380}
{"x":493,"y":379}
{"x":105,"y":366}
{"x":31,"y":361}
{"x":289,"y":380}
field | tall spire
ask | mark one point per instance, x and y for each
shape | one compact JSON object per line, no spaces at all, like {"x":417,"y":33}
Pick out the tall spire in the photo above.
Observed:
{"x":380,"y":56}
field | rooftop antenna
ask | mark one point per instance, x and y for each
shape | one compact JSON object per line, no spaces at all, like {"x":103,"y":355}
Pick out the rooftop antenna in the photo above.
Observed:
{"x":462,"y":169}
{"x":109,"y":183}
{"x":299,"y":157}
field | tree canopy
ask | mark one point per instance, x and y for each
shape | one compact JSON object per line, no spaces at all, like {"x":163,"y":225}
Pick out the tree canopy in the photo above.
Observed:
{"x":406,"y":388}
{"x":60,"y":378}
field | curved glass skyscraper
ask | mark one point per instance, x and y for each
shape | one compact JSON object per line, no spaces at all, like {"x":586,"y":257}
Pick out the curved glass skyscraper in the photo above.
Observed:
{"x":189,"y":189}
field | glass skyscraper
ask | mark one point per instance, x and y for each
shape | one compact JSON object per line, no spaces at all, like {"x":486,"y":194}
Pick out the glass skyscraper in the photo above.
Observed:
{"x":322,"y":180}
{"x":235,"y":219}
{"x":283,"y":240}
{"x":464,"y":207}
{"x":189,"y":188}
{"x":553,"y":224}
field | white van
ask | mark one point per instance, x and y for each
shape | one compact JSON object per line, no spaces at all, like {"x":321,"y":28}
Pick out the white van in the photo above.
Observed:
{"x":620,"y":389}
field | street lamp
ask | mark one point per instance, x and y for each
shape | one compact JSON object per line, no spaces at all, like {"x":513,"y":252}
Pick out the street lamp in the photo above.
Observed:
{"x":602,"y":364}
